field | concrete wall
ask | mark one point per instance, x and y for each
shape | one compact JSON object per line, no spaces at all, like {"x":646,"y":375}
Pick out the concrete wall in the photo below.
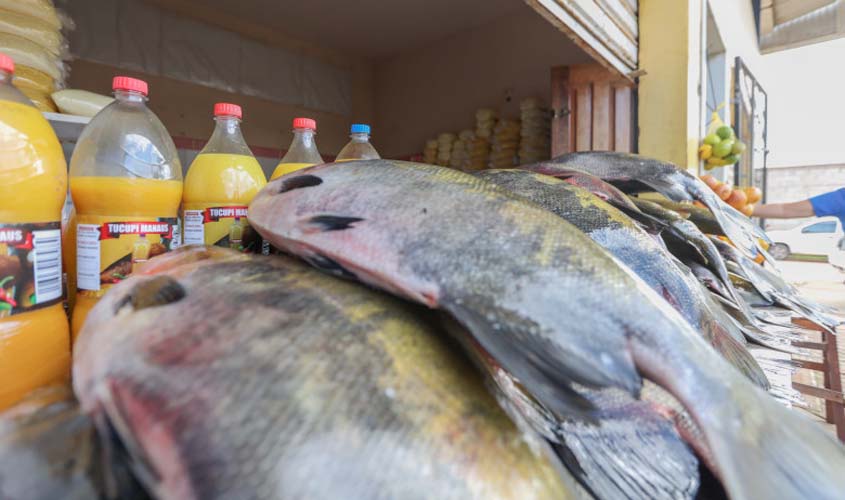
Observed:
{"x":437,"y":88}
{"x":670,"y":107}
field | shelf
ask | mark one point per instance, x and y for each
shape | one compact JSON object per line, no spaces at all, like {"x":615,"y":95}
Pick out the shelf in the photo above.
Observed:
{"x":67,"y":127}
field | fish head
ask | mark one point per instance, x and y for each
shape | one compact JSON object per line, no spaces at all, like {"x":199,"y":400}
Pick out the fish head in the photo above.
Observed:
{"x":338,"y":215}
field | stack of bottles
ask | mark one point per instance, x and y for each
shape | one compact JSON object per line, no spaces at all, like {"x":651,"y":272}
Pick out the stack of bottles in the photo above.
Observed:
{"x":31,"y":34}
{"x":505,"y":144}
{"x":535,"y":132}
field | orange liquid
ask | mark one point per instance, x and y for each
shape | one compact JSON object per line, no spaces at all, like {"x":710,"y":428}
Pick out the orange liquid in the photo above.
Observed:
{"x":118,"y":199}
{"x":286,"y":168}
{"x":34,"y":345}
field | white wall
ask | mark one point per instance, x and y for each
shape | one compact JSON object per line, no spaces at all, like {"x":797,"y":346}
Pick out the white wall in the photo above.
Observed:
{"x":437,"y":88}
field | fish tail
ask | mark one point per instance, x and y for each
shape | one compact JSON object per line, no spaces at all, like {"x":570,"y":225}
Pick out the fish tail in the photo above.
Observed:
{"x":760,"y":448}
{"x":776,"y":453}
{"x":615,"y":459}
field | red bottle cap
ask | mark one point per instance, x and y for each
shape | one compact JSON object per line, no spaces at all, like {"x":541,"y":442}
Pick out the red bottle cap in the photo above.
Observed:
{"x":304,"y":123}
{"x":227,"y":109}
{"x":127,"y":83}
{"x":6,"y":63}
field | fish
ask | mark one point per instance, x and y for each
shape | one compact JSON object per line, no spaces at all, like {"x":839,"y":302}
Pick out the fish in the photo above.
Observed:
{"x":633,"y":246}
{"x":633,"y":173}
{"x":774,"y":288}
{"x":259,"y":377}
{"x":549,"y":304}
{"x":49,"y":449}
{"x":701,"y":217}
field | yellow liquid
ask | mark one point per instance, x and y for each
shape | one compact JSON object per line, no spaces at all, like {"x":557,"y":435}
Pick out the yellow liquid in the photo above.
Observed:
{"x":118,"y":199}
{"x":222,"y":179}
{"x":35,"y":345}
{"x":286,"y":168}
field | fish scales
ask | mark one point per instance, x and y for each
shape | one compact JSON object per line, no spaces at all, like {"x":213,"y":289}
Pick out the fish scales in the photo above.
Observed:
{"x":471,"y":248}
{"x":268,"y":379}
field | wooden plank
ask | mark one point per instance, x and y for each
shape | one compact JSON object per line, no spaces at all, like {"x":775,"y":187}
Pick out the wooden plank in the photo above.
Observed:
{"x":833,"y":381}
{"x":603,"y":125}
{"x":622,"y":119}
{"x":562,"y":118}
{"x":819,"y":346}
{"x":591,"y":16}
{"x":820,"y":392}
{"x":582,"y":37}
{"x":806,"y":323}
{"x":811,"y":365}
{"x":583,"y":119}
{"x":619,"y":14}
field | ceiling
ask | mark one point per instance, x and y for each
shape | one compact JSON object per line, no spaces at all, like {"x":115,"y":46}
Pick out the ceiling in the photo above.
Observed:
{"x":381,"y":27}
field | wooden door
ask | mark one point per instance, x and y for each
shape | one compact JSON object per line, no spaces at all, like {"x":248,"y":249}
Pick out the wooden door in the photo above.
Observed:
{"x":594,"y":110}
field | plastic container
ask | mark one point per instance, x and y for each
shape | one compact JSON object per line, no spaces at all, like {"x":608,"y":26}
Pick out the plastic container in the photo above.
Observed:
{"x":34,"y":339}
{"x":359,"y":147}
{"x":303,"y":149}
{"x":126,"y":184}
{"x":221,"y":183}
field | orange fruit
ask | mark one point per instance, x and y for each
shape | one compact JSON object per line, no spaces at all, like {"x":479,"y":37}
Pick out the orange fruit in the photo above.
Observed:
{"x":748,"y":210}
{"x":737,"y":199}
{"x":723,"y":191}
{"x":709,"y":180}
{"x":754,"y":194}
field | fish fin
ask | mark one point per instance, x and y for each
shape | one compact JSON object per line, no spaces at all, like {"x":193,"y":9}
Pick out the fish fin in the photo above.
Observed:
{"x":617,"y":457}
{"x":549,"y":381}
{"x":332,"y":222}
{"x":736,"y":354}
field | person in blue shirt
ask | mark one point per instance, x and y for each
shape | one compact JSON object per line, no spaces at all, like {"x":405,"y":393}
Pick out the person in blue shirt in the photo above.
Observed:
{"x":827,"y":204}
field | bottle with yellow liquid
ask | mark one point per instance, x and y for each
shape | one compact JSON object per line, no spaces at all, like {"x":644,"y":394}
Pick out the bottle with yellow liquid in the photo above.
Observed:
{"x":358,"y":147}
{"x":126,"y":185}
{"x":34,"y":339}
{"x":220,"y":185}
{"x":303,"y":149}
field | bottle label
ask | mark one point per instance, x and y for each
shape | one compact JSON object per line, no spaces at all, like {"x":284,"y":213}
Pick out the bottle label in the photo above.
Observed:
{"x":30,"y":266}
{"x":109,"y":250}
{"x":223,"y":226}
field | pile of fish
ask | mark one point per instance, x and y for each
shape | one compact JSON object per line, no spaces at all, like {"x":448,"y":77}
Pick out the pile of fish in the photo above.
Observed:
{"x":514,"y":334}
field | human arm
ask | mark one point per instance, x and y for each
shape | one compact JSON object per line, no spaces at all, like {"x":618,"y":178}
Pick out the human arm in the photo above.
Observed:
{"x":784,"y":210}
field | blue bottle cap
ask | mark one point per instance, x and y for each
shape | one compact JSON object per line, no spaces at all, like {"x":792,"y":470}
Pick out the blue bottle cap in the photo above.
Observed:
{"x":359,"y":128}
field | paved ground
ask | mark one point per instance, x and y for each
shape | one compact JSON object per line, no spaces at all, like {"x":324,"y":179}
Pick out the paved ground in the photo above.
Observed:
{"x":826,"y":284}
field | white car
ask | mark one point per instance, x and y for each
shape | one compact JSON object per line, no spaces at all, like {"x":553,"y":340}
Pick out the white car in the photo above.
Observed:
{"x":822,"y":236}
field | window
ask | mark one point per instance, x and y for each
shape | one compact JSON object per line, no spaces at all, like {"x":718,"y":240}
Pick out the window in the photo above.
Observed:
{"x":821,"y":227}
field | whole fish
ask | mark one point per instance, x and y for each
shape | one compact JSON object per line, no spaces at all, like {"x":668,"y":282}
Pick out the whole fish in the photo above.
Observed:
{"x":232,"y":376}
{"x":636,"y":173}
{"x":552,"y":307}
{"x":701,"y":217}
{"x":618,"y":234}
{"x":775,"y":288}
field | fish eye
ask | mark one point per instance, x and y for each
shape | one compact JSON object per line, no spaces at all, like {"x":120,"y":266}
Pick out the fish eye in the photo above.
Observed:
{"x":300,"y":181}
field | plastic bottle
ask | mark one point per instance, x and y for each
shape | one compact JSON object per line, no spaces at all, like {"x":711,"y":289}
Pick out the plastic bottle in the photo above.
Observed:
{"x":34,"y":339}
{"x":359,"y":147}
{"x":303,"y":149}
{"x":220,"y":184}
{"x":126,"y":181}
